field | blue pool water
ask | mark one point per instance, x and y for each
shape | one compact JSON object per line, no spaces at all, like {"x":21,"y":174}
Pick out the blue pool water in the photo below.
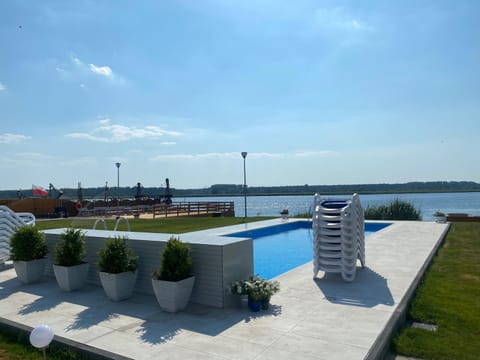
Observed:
{"x":278,"y":249}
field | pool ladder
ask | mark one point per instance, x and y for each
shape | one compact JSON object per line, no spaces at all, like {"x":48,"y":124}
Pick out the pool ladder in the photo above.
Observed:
{"x":117,"y":222}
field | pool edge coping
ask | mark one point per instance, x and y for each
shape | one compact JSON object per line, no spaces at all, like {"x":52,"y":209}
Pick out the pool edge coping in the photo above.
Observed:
{"x":381,"y":345}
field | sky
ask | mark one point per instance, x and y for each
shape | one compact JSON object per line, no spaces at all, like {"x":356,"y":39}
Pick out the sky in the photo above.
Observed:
{"x":317,"y":92}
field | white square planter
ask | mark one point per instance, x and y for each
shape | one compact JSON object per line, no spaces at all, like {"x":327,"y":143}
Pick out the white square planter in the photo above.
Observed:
{"x":118,"y":286}
{"x":71,"y":277}
{"x":173,"y":296}
{"x":30,"y":271}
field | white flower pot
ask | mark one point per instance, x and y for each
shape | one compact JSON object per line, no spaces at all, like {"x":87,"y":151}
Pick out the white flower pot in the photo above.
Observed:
{"x":118,"y":286}
{"x":30,"y":271}
{"x":173,"y":296}
{"x":71,"y":277}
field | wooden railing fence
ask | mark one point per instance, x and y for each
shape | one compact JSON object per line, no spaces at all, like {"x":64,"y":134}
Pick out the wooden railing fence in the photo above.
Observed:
{"x":194,"y":209}
{"x":216,"y":208}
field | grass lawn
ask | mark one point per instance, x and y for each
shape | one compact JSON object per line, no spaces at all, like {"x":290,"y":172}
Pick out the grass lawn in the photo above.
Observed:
{"x":16,"y":346}
{"x":449,"y":297}
{"x":13,"y":349}
{"x":173,"y":225}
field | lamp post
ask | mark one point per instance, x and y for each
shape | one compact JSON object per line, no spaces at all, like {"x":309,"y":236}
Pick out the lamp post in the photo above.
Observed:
{"x":106,"y":192}
{"x":244,"y":155}
{"x":118,"y":182}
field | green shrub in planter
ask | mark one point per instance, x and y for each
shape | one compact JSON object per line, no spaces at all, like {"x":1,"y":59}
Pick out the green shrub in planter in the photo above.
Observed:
{"x":70,"y":250}
{"x":176,"y":261}
{"x":27,"y":243}
{"x":116,"y":257}
{"x":118,"y":269}
{"x":173,"y":282}
{"x":69,"y":267}
{"x":28,"y":249}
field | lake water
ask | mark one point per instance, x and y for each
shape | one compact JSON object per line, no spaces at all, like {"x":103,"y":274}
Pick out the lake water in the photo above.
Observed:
{"x":465,"y":202}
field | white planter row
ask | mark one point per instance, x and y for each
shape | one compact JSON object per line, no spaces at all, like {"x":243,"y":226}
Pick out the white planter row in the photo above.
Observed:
{"x":171,"y":296}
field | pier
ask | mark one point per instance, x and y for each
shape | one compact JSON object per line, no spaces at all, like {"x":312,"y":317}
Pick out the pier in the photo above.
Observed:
{"x":186,"y":208}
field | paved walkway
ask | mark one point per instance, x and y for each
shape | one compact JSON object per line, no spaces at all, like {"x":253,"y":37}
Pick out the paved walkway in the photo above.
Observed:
{"x":324,"y":318}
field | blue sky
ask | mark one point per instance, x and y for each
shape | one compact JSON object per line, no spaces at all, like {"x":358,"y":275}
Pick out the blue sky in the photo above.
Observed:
{"x":317,"y":92}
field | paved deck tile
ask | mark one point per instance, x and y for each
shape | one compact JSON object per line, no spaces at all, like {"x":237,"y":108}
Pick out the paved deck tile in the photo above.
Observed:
{"x":323,"y":318}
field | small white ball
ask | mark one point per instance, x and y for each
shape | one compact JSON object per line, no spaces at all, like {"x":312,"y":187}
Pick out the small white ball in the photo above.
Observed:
{"x":41,"y":336}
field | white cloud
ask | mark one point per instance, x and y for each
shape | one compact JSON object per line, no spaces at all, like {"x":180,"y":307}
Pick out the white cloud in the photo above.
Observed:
{"x":205,"y":156}
{"x":8,"y":138}
{"x":355,"y":24}
{"x":26,"y":160}
{"x":80,"y":71}
{"x":78,"y":162}
{"x":235,"y":155}
{"x":101,"y":70}
{"x":291,"y":155}
{"x":115,"y":133}
{"x":76,"y":61}
{"x":336,"y":18}
{"x":33,"y":156}
{"x":87,"y":137}
{"x":314,"y":153}
{"x":2,"y":87}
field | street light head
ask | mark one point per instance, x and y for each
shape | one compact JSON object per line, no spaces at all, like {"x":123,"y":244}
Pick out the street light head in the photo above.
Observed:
{"x":117,"y":165}
{"x":244,"y":154}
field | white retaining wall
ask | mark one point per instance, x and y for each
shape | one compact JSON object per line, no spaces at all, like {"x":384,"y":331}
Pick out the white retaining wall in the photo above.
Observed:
{"x":217,"y":261}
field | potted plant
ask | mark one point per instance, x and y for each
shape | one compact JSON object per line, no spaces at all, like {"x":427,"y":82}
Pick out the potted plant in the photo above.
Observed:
{"x":254,"y":287}
{"x":260,"y":291}
{"x":28,"y":250}
{"x":118,"y":268}
{"x":173,"y":282}
{"x":440,"y":217}
{"x":268,"y":289}
{"x":69,"y":268}
{"x":239,"y":288}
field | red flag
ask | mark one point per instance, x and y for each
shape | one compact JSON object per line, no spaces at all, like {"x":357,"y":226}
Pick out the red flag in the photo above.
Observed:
{"x":38,"y":190}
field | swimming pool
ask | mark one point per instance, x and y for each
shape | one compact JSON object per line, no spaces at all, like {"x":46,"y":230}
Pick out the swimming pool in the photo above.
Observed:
{"x":278,"y":249}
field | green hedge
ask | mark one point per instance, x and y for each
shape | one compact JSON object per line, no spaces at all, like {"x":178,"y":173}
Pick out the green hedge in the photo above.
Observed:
{"x":396,"y":210}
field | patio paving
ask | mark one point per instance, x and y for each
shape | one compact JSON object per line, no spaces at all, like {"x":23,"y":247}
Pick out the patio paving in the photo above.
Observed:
{"x":323,"y":318}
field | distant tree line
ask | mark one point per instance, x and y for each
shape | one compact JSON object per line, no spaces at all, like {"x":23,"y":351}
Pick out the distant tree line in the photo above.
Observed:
{"x":410,"y":187}
{"x":238,"y":190}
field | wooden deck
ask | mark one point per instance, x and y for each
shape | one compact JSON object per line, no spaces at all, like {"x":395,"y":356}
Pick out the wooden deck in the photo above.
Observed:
{"x":175,"y":209}
{"x":460,"y":217}
{"x":217,"y":208}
